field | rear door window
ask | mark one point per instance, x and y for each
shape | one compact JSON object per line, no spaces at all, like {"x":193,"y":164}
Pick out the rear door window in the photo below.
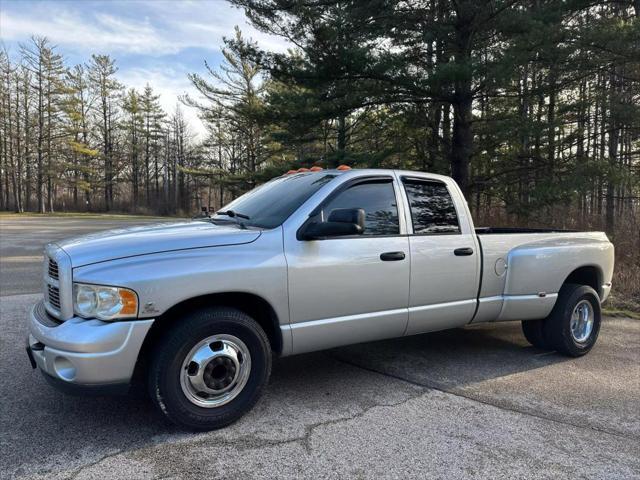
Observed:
{"x":432,"y":208}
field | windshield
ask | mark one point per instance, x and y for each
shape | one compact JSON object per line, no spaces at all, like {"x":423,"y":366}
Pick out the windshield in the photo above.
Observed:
{"x":269,"y":205}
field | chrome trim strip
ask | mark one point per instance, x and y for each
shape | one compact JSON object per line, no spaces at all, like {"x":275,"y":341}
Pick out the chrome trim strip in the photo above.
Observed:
{"x":346,"y":318}
{"x":435,"y":306}
{"x":496,"y":298}
{"x":529,"y":297}
{"x":526,"y":307}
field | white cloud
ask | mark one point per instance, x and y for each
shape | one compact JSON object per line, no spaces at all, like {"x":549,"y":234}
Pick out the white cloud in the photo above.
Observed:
{"x":107,"y":34}
{"x":201,"y":32}
{"x":205,"y":22}
{"x":167,"y":29}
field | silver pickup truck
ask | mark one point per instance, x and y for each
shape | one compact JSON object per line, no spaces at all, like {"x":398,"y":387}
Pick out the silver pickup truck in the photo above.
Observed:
{"x":308,"y":261}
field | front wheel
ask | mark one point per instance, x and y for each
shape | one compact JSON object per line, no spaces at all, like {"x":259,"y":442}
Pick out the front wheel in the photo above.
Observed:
{"x":210,"y":369}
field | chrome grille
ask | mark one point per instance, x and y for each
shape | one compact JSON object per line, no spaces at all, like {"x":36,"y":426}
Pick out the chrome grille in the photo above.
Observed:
{"x":53,"y":295}
{"x":58,"y":283}
{"x":53,"y":269}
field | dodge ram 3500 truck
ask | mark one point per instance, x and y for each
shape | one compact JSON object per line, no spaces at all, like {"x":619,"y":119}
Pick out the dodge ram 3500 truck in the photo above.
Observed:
{"x":308,"y":261}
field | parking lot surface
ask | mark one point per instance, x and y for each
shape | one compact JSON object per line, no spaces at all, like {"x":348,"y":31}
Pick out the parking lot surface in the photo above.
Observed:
{"x":24,"y":237}
{"x":477,"y":402}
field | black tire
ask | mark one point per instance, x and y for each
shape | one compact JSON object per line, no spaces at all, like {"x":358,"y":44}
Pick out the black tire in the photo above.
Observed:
{"x":557,"y":326}
{"x":533,"y":332}
{"x":167,"y":360}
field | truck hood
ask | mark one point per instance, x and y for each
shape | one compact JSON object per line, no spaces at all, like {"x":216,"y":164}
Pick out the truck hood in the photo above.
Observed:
{"x":147,"y":239}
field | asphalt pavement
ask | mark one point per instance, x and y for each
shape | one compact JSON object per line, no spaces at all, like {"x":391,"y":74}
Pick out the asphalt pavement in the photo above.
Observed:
{"x":477,"y":402}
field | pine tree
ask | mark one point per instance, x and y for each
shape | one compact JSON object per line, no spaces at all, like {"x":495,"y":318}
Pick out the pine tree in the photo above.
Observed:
{"x":234,"y":97}
{"x":78,"y":108}
{"x":106,"y":88}
{"x":133,"y":126}
{"x":47,"y":70}
{"x":153,"y":118}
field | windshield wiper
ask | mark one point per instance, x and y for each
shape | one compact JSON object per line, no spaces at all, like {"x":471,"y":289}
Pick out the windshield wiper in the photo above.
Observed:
{"x":232,"y":214}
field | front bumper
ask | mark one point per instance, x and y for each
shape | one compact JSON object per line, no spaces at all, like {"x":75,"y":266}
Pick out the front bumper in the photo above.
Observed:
{"x":84,"y":353}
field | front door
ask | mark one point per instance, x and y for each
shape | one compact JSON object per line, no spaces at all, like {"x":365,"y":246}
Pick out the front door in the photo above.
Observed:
{"x":353,"y":289}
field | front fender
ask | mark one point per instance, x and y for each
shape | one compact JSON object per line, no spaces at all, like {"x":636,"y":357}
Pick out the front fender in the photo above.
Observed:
{"x":163,"y":280}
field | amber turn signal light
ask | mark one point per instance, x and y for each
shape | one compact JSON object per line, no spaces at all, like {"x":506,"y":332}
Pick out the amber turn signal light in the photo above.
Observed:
{"x":129,"y":302}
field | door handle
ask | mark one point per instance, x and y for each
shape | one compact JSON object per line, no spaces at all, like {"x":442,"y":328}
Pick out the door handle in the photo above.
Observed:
{"x":391,"y":256}
{"x":463,"y":252}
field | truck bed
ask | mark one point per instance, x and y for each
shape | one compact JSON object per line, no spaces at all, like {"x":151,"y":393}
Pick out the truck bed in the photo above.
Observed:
{"x":523,"y":268}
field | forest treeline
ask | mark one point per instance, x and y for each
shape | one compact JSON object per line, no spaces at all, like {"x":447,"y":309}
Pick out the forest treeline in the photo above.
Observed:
{"x":532,"y":106}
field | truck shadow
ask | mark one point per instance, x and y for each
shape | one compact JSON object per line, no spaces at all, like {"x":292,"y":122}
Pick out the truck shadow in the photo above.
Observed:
{"x":451,"y":358}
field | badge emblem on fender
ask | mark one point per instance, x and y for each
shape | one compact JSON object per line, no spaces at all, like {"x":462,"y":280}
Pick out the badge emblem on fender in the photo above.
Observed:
{"x":149,"y":307}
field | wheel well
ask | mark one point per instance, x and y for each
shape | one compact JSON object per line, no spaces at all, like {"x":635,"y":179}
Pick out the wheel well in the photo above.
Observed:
{"x":590,"y":276}
{"x":253,"y":305}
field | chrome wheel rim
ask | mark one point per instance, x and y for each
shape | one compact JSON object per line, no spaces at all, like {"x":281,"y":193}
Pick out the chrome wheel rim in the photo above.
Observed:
{"x":215,"y":371}
{"x":582,"y":321}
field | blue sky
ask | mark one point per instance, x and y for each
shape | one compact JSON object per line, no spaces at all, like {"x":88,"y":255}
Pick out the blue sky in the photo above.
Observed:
{"x":154,"y":41}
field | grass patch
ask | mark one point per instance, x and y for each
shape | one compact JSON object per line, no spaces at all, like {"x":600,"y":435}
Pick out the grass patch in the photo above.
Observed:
{"x":621,"y":313}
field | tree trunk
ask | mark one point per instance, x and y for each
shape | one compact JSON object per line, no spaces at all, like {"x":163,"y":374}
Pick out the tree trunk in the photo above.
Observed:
{"x":49,"y":149}
{"x":614,"y":133}
{"x":462,"y":138}
{"x":341,"y":140}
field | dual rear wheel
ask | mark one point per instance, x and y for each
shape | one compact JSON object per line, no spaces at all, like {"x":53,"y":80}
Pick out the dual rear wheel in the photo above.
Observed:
{"x":573,"y":325}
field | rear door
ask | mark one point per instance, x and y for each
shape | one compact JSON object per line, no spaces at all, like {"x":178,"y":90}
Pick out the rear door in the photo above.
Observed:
{"x":345,"y":290}
{"x":445,"y":260}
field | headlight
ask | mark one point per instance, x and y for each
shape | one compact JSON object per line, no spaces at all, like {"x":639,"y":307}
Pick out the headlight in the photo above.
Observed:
{"x":104,"y":303}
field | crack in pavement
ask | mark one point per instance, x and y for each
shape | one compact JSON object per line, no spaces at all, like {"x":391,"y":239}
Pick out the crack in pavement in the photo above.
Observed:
{"x":306,"y":439}
{"x":440,"y":388}
{"x":79,"y":470}
{"x":251,"y":442}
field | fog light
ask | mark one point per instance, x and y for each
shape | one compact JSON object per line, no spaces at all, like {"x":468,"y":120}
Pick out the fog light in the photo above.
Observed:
{"x":64,"y":368}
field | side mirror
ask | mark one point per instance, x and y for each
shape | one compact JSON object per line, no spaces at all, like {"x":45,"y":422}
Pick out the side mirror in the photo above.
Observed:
{"x":341,"y":222}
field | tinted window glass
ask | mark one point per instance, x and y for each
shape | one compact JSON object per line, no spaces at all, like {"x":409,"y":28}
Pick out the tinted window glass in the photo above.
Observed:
{"x":432,"y":209}
{"x":268,"y":205}
{"x":379,"y":203}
